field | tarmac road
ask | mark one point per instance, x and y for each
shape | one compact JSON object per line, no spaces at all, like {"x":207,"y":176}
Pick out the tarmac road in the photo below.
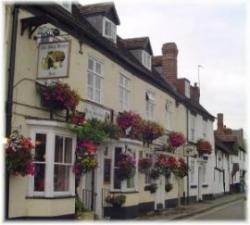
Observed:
{"x":232,"y":211}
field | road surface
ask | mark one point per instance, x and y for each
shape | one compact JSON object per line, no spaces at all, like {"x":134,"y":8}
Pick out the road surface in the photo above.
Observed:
{"x":232,"y":211}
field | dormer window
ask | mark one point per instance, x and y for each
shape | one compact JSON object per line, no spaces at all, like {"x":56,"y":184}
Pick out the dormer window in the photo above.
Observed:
{"x":146,"y":59}
{"x":109,"y":29}
{"x":187,"y":89}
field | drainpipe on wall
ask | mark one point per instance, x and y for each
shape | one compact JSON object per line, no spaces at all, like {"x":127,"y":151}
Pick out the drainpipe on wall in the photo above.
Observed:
{"x":9,"y":102}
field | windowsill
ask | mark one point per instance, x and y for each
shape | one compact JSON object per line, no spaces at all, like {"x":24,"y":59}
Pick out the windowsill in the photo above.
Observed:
{"x":55,"y":197}
{"x":124,"y":192}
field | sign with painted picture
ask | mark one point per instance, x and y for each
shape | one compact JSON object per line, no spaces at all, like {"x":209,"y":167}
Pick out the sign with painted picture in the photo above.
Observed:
{"x":53,"y":59}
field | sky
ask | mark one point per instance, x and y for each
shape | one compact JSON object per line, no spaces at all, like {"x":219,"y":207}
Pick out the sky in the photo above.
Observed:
{"x":207,"y":33}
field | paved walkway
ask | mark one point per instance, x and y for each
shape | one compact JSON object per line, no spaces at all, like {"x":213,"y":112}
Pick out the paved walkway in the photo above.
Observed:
{"x":189,"y":210}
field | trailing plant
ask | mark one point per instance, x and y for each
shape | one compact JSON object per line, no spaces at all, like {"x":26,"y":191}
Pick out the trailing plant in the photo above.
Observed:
{"x":116,"y":200}
{"x":84,"y":164}
{"x":155,"y":173}
{"x":58,"y":96}
{"x":145,"y":164}
{"x":204,"y":147}
{"x":176,"y":139}
{"x":131,"y":125}
{"x":151,"y":131}
{"x":168,"y":187}
{"x":151,"y":187}
{"x":182,"y":168}
{"x":19,"y":159}
{"x":126,"y":166}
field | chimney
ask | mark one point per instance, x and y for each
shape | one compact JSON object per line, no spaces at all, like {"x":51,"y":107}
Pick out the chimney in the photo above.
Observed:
{"x":220,"y":124}
{"x":195,"y":92}
{"x":169,"y":61}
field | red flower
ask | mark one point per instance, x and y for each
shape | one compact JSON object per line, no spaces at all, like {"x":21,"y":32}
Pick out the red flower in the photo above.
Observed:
{"x":176,"y":139}
{"x":77,"y":119}
{"x":88,"y":146}
{"x":204,"y":147}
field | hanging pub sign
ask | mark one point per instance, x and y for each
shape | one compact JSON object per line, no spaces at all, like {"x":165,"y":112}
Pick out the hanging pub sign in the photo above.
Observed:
{"x":53,"y":60}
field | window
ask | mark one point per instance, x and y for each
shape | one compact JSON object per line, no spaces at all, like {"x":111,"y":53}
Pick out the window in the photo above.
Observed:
{"x":124,"y":92}
{"x":150,"y":105}
{"x":192,"y":167}
{"x":109,"y":29}
{"x":94,"y":80}
{"x":63,"y":163}
{"x":204,"y":174}
{"x":169,"y":113}
{"x":146,"y":59}
{"x":192,"y":128}
{"x":117,"y":181}
{"x":53,"y":158}
{"x":204,"y":129}
{"x":187,"y":89}
{"x":147,"y":176}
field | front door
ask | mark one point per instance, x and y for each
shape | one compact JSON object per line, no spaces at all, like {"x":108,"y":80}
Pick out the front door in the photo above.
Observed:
{"x":160,"y":193}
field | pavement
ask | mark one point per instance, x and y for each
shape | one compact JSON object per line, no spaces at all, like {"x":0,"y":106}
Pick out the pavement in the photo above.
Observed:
{"x":185,"y":211}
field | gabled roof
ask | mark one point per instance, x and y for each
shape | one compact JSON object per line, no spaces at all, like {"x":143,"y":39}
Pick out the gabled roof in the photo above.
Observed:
{"x":136,"y":43}
{"x":221,"y":146}
{"x":107,"y":8}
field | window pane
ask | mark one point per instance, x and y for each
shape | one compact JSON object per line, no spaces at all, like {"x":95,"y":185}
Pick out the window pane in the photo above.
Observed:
{"x":39,"y":178}
{"x":118,"y":151}
{"x":117,"y":181}
{"x":90,"y":93}
{"x":68,"y":150}
{"x":61,"y":178}
{"x":90,"y":79}
{"x":131,"y":182}
{"x":59,"y":149}
{"x":97,"y":95}
{"x":97,"y":82}
{"x":107,"y":28}
{"x":107,"y":168}
{"x":40,"y":147}
{"x":98,"y":68}
{"x":91,"y":64}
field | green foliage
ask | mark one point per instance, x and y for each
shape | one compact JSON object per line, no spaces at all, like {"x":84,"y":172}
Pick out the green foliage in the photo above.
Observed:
{"x":79,"y":206}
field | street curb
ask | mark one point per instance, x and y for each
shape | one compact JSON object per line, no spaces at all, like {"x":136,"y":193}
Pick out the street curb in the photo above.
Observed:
{"x":206,"y":209}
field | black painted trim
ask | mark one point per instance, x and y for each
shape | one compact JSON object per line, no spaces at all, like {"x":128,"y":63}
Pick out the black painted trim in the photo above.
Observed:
{"x":64,"y":217}
{"x":204,"y":185}
{"x":193,"y":186}
{"x":50,"y":198}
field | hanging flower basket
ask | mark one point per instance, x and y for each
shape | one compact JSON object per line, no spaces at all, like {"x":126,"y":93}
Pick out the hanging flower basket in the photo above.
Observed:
{"x":131,"y":125}
{"x":168,"y":187}
{"x":77,"y":118}
{"x":126,"y":166}
{"x":58,"y":96}
{"x":176,"y":139}
{"x":182,"y":168}
{"x":144,"y":165}
{"x":116,"y":201}
{"x":151,"y":187}
{"x":204,"y":147}
{"x":18,"y":155}
{"x":151,"y":131}
{"x":155,"y":173}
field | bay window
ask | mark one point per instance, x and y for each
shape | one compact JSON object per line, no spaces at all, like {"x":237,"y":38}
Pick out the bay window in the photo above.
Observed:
{"x":95,"y":76}
{"x":53,"y":157}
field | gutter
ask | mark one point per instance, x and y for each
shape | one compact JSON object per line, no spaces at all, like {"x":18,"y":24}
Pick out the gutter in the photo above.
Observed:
{"x":9,"y":103}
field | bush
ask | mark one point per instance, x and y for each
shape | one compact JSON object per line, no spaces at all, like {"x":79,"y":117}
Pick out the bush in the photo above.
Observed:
{"x":152,"y":188}
{"x":116,"y":201}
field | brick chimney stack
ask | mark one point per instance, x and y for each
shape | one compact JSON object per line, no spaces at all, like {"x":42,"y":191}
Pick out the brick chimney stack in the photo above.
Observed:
{"x":169,"y":61}
{"x":220,"y":124}
{"x":195,"y":92}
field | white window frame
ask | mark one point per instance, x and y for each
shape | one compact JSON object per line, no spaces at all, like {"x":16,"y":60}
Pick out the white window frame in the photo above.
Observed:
{"x":124,"y":92}
{"x":150,"y":104}
{"x":204,"y":128}
{"x":124,"y":187}
{"x":187,"y":89}
{"x":95,"y":75}
{"x":192,"y":127}
{"x":169,"y":115}
{"x":192,"y":170}
{"x":112,"y":29}
{"x":146,"y":59}
{"x":51,"y":132}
